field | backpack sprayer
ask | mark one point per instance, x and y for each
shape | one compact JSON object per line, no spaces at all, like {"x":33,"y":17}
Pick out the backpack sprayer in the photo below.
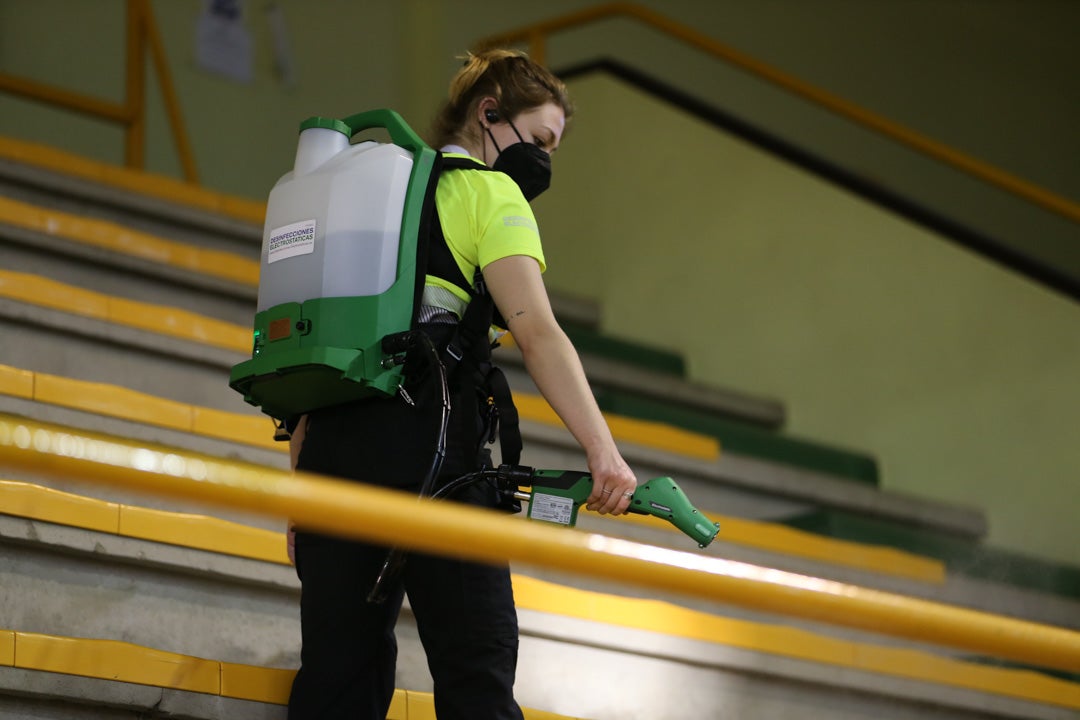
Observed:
{"x":343,"y":263}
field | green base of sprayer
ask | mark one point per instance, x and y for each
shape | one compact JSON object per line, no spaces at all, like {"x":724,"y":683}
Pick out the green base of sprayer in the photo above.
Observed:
{"x":317,"y":354}
{"x":557,"y":495}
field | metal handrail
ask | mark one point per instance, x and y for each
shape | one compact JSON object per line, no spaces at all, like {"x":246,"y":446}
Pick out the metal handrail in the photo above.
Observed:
{"x":536,"y":36}
{"x":391,"y":517}
{"x":142,"y":34}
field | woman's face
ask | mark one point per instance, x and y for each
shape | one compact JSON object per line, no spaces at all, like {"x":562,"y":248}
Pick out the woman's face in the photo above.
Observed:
{"x":542,"y":126}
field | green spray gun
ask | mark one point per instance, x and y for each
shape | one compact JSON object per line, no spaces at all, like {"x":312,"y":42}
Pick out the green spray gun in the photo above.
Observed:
{"x":556,"y":496}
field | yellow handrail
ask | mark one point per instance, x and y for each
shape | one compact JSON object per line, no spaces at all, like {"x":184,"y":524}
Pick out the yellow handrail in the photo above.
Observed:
{"x":536,"y":36}
{"x":141,"y":33}
{"x":387,"y":516}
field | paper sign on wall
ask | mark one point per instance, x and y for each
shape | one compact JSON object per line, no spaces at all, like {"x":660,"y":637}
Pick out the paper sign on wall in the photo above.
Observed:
{"x":222,"y":44}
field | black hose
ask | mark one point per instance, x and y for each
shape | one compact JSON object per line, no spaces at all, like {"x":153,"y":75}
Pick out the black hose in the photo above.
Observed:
{"x":444,"y":420}
{"x":395,"y":558}
{"x":464,"y":481}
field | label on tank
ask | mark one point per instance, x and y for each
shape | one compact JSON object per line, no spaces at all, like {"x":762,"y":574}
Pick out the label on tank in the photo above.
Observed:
{"x":291,"y":240}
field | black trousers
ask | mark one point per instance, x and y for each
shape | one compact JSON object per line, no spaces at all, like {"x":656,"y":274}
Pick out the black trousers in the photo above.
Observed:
{"x":464,"y":611}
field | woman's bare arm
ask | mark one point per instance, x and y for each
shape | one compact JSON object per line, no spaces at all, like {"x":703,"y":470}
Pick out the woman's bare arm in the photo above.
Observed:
{"x":518,"y":289}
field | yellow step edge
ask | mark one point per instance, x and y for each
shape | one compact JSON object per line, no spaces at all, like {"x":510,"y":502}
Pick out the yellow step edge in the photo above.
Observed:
{"x":42,"y":503}
{"x":49,"y":158}
{"x":241,"y":208}
{"x":641,"y":432}
{"x":667,"y":619}
{"x":799,"y":543}
{"x":125,"y":404}
{"x":7,"y":648}
{"x":254,"y":430}
{"x":16,"y":383}
{"x":116,"y":238}
{"x":544,"y":715}
{"x":399,"y":706}
{"x":178,"y":323}
{"x":420,"y":706}
{"x":160,"y":187}
{"x":779,"y":538}
{"x":112,"y":401}
{"x":41,"y":291}
{"x":115,"y":660}
{"x":160,"y":319}
{"x":248,"y":682}
{"x":201,"y":532}
{"x":136,"y":181}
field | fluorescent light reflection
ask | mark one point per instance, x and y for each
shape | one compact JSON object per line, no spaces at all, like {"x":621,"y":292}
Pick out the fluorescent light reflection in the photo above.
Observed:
{"x":79,"y":447}
{"x":716,"y":566}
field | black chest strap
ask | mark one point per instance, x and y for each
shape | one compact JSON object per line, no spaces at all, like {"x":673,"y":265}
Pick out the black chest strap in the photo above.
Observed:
{"x":440,"y":261}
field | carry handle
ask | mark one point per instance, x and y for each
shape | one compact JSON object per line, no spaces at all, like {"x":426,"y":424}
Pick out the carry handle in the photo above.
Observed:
{"x":399,"y":130}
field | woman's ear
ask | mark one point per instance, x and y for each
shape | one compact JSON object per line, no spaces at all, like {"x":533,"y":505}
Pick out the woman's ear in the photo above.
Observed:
{"x":487,"y":111}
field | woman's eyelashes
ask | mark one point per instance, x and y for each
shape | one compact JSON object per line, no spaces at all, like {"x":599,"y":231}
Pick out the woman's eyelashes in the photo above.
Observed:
{"x":543,"y":143}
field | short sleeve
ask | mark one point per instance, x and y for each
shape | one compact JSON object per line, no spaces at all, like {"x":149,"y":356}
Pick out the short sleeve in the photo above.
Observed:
{"x":506,"y":224}
{"x":484,"y":218}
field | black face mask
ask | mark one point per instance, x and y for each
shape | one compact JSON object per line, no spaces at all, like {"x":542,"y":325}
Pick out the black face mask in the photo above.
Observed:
{"x":525,"y":163}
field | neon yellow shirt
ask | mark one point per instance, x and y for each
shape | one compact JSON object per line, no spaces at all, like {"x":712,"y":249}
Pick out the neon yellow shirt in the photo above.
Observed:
{"x":484,"y":218}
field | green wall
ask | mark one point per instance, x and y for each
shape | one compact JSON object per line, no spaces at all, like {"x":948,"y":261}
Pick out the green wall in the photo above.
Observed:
{"x":960,"y":377}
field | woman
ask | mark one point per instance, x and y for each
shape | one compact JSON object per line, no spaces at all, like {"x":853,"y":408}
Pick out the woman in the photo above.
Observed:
{"x":509,"y":113}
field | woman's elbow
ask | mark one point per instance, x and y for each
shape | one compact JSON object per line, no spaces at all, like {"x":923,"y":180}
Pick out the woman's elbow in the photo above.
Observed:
{"x":538,"y":336}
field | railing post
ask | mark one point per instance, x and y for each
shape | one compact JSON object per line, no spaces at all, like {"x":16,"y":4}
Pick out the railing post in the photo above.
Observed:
{"x":538,"y":47}
{"x":168,"y":94}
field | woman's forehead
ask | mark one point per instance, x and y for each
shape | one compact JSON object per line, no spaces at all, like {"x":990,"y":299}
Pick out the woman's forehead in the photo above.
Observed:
{"x":548,"y":116}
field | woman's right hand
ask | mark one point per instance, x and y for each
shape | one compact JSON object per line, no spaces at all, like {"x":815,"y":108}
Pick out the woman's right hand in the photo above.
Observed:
{"x":613,"y":483}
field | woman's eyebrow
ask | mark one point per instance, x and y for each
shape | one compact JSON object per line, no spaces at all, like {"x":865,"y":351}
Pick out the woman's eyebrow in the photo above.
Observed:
{"x":548,"y":136}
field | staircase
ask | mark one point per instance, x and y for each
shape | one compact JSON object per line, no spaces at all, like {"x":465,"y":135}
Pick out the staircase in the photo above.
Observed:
{"x":125,"y":299}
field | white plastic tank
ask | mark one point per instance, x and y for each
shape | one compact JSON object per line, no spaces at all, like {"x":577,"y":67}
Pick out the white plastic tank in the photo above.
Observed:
{"x":333,"y":224}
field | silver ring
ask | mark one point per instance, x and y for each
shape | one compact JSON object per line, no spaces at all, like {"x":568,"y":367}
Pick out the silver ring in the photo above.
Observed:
{"x":605,"y":492}
{"x":628,"y":495}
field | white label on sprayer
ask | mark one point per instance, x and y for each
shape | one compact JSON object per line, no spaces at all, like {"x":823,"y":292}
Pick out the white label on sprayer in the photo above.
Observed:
{"x":552,"y":508}
{"x":291,"y":240}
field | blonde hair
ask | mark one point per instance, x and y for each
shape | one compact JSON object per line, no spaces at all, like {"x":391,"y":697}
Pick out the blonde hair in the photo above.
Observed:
{"x":515,"y":81}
